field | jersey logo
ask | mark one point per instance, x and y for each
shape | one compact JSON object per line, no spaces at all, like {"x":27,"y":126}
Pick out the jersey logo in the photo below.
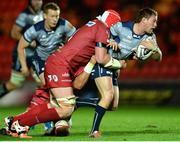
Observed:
{"x":90,"y":23}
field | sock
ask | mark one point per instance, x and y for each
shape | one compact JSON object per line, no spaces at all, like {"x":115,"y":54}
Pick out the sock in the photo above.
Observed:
{"x":83,"y":102}
{"x":3,"y":90}
{"x":48,"y":125}
{"x":32,"y":111}
{"x":99,"y":113}
{"x":43,"y":116}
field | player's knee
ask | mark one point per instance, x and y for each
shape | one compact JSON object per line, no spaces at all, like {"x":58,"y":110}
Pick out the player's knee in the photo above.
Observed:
{"x":66,"y":106}
{"x":17,"y":79}
{"x":108,"y":96}
{"x":112,"y":107}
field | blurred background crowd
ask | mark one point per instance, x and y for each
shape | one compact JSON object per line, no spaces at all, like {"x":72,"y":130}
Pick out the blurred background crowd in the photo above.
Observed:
{"x":78,"y":12}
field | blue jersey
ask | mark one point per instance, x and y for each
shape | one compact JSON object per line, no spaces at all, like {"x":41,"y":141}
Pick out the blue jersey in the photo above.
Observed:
{"x":48,"y":41}
{"x":123,"y":33}
{"x":25,"y":19}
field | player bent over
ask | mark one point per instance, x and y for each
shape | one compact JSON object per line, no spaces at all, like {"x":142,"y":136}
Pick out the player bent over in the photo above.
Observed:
{"x":42,"y":98}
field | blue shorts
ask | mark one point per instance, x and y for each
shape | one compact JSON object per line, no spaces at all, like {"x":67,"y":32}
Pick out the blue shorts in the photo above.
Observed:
{"x":90,"y":90}
{"x":100,"y":71}
{"x":15,"y":60}
{"x":38,"y":64}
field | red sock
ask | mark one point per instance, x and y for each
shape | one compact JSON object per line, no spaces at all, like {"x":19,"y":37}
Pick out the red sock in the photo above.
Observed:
{"x":43,"y":116}
{"x":32,"y":111}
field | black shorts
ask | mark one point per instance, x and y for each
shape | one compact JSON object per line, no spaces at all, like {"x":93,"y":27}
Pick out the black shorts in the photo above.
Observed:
{"x":15,"y":60}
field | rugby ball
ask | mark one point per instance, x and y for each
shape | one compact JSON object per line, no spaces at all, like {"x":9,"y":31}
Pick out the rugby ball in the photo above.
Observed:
{"x":143,"y":53}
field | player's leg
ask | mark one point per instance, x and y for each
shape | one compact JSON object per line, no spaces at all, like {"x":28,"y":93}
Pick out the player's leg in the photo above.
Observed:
{"x":62,"y":93}
{"x":17,"y":78}
{"x":64,"y":100}
{"x":48,"y":126}
{"x":16,"y":81}
{"x":105,"y":88}
{"x":88,"y":96}
{"x":104,"y":83}
{"x":61,"y":109}
{"x":37,"y":72}
{"x":115,"y":102}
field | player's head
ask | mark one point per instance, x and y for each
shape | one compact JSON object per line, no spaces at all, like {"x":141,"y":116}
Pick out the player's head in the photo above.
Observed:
{"x":36,"y":5}
{"x":148,"y":18}
{"x":51,"y":14}
{"x":110,"y":17}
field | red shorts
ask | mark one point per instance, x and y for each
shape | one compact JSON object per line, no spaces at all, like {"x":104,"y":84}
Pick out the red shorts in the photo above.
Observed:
{"x":57,"y":75}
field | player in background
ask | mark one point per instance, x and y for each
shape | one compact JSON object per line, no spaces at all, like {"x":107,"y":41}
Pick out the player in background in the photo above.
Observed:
{"x":31,"y":15}
{"x":49,"y":34}
{"x":61,"y":66}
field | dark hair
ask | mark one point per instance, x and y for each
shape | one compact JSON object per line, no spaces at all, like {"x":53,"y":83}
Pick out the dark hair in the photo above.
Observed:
{"x":50,"y":5}
{"x":144,"y":13}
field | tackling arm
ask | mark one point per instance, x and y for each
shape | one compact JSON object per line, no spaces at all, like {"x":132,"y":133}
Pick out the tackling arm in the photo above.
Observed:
{"x":82,"y":78}
{"x":102,"y":57}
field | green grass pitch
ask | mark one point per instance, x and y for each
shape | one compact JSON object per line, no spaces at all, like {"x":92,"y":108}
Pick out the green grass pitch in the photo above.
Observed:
{"x":128,"y":123}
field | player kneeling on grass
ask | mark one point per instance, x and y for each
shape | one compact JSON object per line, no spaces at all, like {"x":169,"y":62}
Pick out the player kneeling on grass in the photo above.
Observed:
{"x":62,"y":126}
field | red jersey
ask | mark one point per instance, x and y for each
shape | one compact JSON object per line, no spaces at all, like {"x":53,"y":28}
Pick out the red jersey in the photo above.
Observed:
{"x":79,"y":49}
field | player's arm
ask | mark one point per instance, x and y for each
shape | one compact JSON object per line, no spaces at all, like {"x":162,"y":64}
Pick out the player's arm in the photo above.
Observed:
{"x":153,"y":46}
{"x":16,"y":32}
{"x":22,"y":55}
{"x":157,"y":55}
{"x":69,"y":30}
{"x":26,"y":40}
{"x":102,"y":57}
{"x":83,"y":77}
{"x":18,"y":26}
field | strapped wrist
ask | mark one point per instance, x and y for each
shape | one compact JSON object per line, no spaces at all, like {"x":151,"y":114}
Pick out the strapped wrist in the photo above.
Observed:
{"x":113,"y":64}
{"x":89,"y":67}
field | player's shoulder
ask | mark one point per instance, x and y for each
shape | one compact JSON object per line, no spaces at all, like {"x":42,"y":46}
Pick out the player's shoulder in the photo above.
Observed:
{"x":95,"y":22}
{"x":39,"y":26}
{"x":62,"y":21}
{"x":26,"y":11}
{"x":127,"y":24}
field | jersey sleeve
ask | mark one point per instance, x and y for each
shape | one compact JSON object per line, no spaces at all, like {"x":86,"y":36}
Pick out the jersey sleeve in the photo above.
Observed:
{"x":102,"y":35}
{"x":21,"y":20}
{"x":30,"y":34}
{"x":69,"y":29}
{"x":115,"y":29}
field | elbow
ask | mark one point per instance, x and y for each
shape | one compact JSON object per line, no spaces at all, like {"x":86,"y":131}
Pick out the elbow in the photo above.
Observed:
{"x":101,"y":60}
{"x":77,"y":86}
{"x":13,"y":35}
